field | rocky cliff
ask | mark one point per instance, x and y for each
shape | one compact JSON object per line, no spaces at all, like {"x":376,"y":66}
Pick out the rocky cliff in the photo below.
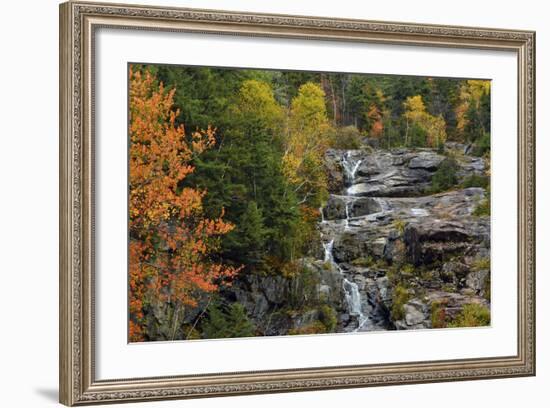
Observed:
{"x":393,"y":254}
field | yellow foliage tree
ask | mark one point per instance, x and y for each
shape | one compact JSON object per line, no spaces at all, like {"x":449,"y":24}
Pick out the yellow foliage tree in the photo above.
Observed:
{"x":434,"y":126}
{"x":309,"y":135}
{"x":256,"y":100}
{"x":471,"y":92}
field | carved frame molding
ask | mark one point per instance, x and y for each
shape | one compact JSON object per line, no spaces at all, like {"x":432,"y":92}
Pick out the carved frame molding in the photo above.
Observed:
{"x":78,"y":20}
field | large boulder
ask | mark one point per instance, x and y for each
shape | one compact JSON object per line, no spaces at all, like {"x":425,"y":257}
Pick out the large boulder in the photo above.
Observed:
{"x":418,"y":313}
{"x":349,"y":246}
{"x":334,"y":170}
{"x":454,"y":273}
{"x":426,"y":160}
{"x":330,"y":282}
{"x":335,"y":208}
{"x":478,"y":281}
{"x":364,"y":206}
{"x":435,"y":240}
{"x":391,"y":173}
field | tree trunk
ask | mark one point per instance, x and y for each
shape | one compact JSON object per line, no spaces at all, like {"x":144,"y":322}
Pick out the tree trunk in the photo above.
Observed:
{"x":175,"y":318}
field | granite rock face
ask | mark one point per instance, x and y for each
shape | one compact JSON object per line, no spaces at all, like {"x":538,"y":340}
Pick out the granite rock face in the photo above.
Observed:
{"x":391,"y":173}
{"x":381,"y":229}
{"x":393,"y":256}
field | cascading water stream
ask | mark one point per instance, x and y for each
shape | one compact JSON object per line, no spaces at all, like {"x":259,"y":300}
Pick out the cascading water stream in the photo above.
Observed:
{"x":353,"y":298}
{"x":351,"y":290}
{"x":346,"y":221}
{"x":350,"y":166}
{"x":327,"y":246}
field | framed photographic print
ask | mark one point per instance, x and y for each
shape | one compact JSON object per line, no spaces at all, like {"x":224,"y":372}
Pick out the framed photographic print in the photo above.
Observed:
{"x":258,"y":203}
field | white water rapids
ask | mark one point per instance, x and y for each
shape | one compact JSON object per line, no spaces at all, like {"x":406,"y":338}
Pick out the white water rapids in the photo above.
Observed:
{"x":351,"y":290}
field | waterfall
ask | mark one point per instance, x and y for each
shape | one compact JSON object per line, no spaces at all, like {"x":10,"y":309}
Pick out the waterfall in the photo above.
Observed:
{"x":350,"y":167}
{"x":351,"y":290}
{"x":353,"y":299}
{"x":346,"y":221}
{"x":352,"y":295}
{"x":328,"y":252}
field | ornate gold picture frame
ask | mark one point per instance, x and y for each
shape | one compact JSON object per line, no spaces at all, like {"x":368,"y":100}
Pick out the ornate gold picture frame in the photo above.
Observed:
{"x":78,"y":25}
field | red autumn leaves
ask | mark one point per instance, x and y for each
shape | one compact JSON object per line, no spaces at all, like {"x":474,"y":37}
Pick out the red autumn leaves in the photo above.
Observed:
{"x":171,"y":242}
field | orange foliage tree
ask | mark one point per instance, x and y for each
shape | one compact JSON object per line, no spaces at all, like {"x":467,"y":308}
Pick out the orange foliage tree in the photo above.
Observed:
{"x":375,"y":116}
{"x":171,"y":242}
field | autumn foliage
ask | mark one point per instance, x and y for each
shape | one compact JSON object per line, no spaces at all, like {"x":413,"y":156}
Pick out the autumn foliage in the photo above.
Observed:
{"x":307,"y":140}
{"x":434,"y":126}
{"x":172,"y":245}
{"x":244,"y":198}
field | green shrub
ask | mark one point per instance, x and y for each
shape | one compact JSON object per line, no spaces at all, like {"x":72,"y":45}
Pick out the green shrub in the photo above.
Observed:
{"x":303,"y":288}
{"x":399,"y":225}
{"x":191,"y":333}
{"x":363,"y":261}
{"x":407,"y":269}
{"x":380,"y":263}
{"x":481,"y":264}
{"x":472,"y":315}
{"x":327,"y":316}
{"x":445,"y":176}
{"x":393,"y":274}
{"x":449,"y":288}
{"x":418,"y":136}
{"x":438,"y":316}
{"x":476,"y":180}
{"x":348,"y":137}
{"x":483,"y":208}
{"x":482,"y":145}
{"x":426,"y":274}
{"x":400,"y":297}
{"x":316,"y":327}
{"x":226,"y":322}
